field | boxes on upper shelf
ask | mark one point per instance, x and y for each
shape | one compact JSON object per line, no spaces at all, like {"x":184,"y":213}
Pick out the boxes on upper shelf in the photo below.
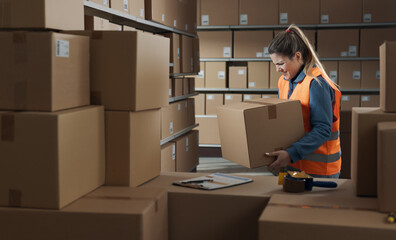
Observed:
{"x":299,"y":12}
{"x":66,"y":163}
{"x":369,"y":101}
{"x":187,"y":51}
{"x":176,"y":117}
{"x":186,"y":151}
{"x":252,"y":44}
{"x":331,"y":68}
{"x":196,"y":56}
{"x":175,"y":54}
{"x":387,"y":74}
{"x":370,"y":75}
{"x":232,"y":98}
{"x":212,"y":102}
{"x":43,"y":71}
{"x":105,"y":3}
{"x":186,"y":15}
{"x":219,"y":12}
{"x":372,"y":38}
{"x":349,"y":74}
{"x":237,"y":77}
{"x":258,"y":74}
{"x":215,"y":76}
{"x":42,"y":14}
{"x":331,"y":45}
{"x":215,"y":44}
{"x":160,"y":11}
{"x":379,"y":11}
{"x":258,"y":12}
{"x":349,"y":101}
{"x":339,"y":11}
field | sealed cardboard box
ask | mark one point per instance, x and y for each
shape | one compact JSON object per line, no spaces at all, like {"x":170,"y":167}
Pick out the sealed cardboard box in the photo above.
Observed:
{"x":252,"y":44}
{"x":200,"y":78}
{"x":364,"y":148}
{"x":215,"y":76}
{"x":370,"y":75}
{"x":386,"y":166}
{"x":331,"y":68}
{"x":43,"y":71}
{"x":387,"y":73}
{"x":274,"y":76}
{"x":208,"y":130}
{"x":66,"y":163}
{"x":136,"y":8}
{"x":160,"y":11}
{"x":186,"y":86}
{"x":187,"y":151}
{"x":372,"y":38}
{"x":121,"y":5}
{"x":310,"y":34}
{"x":177,"y":87}
{"x":237,"y":77}
{"x":379,"y":11}
{"x":258,"y":74}
{"x":370,"y":101}
{"x":349,"y":101}
{"x":174,"y":60}
{"x":249,"y":97}
{"x":345,"y":139}
{"x":167,"y":120}
{"x":200,"y":104}
{"x":232,"y":98}
{"x":258,"y":12}
{"x":349,"y":74}
{"x":133,"y":154}
{"x":249,"y":130}
{"x":105,"y":3}
{"x":218,"y":13}
{"x":187,"y":51}
{"x":212,"y":102}
{"x":42,"y":14}
{"x":183,"y":114}
{"x":96,"y":23}
{"x":330,"y":45}
{"x":299,"y":12}
{"x":168,"y":157}
{"x":215,"y":44}
{"x":108,"y":212}
{"x":187,"y":13}
{"x":338,"y":11}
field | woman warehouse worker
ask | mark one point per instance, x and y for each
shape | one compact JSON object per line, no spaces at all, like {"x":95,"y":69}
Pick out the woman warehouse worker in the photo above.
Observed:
{"x":303,"y":78}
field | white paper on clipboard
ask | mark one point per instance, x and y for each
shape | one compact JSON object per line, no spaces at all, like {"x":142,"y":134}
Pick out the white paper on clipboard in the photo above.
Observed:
{"x":213,"y":181}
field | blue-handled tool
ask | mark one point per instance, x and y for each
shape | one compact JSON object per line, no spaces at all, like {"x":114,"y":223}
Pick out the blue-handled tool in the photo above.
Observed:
{"x":300,"y":181}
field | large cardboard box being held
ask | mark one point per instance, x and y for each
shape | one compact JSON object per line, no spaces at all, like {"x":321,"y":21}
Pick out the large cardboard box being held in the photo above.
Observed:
{"x":107,"y":213}
{"x":299,"y":12}
{"x":168,"y":157}
{"x":133,"y":154}
{"x":258,"y":12}
{"x":43,"y":71}
{"x":339,"y":11}
{"x":219,"y":12}
{"x":237,"y":77}
{"x":386,"y":166}
{"x":387,"y":74}
{"x":330,"y":45}
{"x":215,"y":44}
{"x":372,"y":38}
{"x":187,"y":151}
{"x":42,"y":14}
{"x":364,"y":148}
{"x":215,"y":76}
{"x":249,"y":130}
{"x":258,"y":74}
{"x":252,"y":44}
{"x":379,"y":11}
{"x":349,"y":74}
{"x":48,"y":160}
{"x":208,"y":129}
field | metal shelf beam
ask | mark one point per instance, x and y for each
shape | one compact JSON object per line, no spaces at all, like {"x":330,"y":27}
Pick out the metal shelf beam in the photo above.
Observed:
{"x":178,"y":134}
{"x":275,"y":91}
{"x":179,"y":98}
{"x":269,"y":59}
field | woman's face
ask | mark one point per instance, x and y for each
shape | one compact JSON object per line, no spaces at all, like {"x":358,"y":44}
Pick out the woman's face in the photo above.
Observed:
{"x":288,"y":67}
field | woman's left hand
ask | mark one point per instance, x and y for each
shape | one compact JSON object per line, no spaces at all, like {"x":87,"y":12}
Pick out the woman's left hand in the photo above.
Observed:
{"x":282,"y":159}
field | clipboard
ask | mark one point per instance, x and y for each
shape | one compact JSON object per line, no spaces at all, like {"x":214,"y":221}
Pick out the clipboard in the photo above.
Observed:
{"x":213,"y":181}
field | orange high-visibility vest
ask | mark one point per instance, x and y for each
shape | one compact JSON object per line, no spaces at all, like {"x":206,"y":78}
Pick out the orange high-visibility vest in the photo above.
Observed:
{"x":326,"y":160}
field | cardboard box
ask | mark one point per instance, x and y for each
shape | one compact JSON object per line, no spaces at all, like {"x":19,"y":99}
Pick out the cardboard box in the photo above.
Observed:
{"x":249,"y":130}
{"x":66,"y":163}
{"x":331,"y":68}
{"x":136,"y":8}
{"x":299,"y":12}
{"x":274,"y":76}
{"x":310,"y":34}
{"x":387,"y":73}
{"x":370,"y":75}
{"x":183,"y":114}
{"x":258,"y":12}
{"x":168,"y":157}
{"x":174,"y":64}
{"x":96,"y":23}
{"x":232,"y":98}
{"x":378,"y":11}
{"x":249,"y":97}
{"x":331,"y":46}
{"x":212,"y":102}
{"x":370,"y":101}
{"x":215,"y":44}
{"x":218,"y":13}
{"x":345,"y":139}
{"x":364,"y":148}
{"x":338,"y":11}
{"x":128,"y":28}
{"x":160,"y":11}
{"x":189,"y":15}
{"x":258,"y":74}
{"x":115,"y":27}
{"x":196,"y":55}
{"x":177,"y":87}
{"x":349,"y":74}
{"x":187,"y":151}
{"x":105,"y":3}
{"x":200,"y":104}
{"x":208,"y":129}
{"x":122,"y":76}
{"x":191,"y":85}
{"x":237,"y":77}
{"x":167,"y":120}
{"x":215,"y":76}
{"x":199,"y":79}
{"x":349,"y":101}
{"x":372,"y":38}
{"x":186,"y":86}
{"x":345,"y":121}
{"x":121,"y":5}
{"x":187,"y":52}
{"x":43,"y":71}
{"x":386,"y":166}
{"x":252,"y":44}
{"x":133,"y":153}
{"x":108,"y":212}
{"x":55,"y":14}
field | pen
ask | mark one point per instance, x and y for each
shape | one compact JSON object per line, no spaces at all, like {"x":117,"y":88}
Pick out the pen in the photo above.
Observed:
{"x":198,"y":180}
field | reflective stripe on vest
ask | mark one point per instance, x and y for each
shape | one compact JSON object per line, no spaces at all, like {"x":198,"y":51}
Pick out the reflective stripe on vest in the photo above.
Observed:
{"x":326,"y":160}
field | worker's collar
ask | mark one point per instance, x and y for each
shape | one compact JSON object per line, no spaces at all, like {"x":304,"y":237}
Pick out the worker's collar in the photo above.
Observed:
{"x":299,"y":76}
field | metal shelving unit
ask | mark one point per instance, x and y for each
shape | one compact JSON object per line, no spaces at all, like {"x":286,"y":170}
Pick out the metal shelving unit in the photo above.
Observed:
{"x":179,"y":98}
{"x":178,"y":134}
{"x":182,"y":74}
{"x":210,"y":145}
{"x":269,"y":59}
{"x":275,"y":91}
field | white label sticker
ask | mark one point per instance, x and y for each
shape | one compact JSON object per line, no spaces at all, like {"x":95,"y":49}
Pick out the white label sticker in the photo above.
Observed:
{"x":126,"y":5}
{"x":259,"y":54}
{"x":170,"y":91}
{"x":247,"y":97}
{"x":178,"y":107}
{"x":163,"y":17}
{"x":243,"y":19}
{"x":178,"y":53}
{"x":356,"y":75}
{"x":62,"y":48}
{"x":377,"y":74}
{"x":186,"y":27}
{"x":106,"y":2}
{"x":352,"y":51}
{"x":173,"y":152}
{"x":367,"y":17}
{"x":141,"y":12}
{"x":175,"y":23}
{"x":201,"y":74}
{"x":119,"y":28}
{"x":210,"y":97}
{"x":171,"y":64}
{"x":204,"y":20}
{"x":333,"y":76}
{"x":324,"y":18}
{"x":171,"y":127}
{"x":344,"y":54}
{"x":345,"y":98}
{"x":252,"y":84}
{"x":365,"y":98}
{"x":221,"y":75}
{"x":283,"y":18}
{"x":228,"y":97}
{"x":227,"y":52}
{"x":266,"y":52}
{"x":187,"y":144}
{"x":241,"y":72}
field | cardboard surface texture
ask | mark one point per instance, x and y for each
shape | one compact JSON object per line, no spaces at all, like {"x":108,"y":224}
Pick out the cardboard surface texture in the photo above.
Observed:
{"x":237,"y":77}
{"x":258,"y":74}
{"x":330,"y":44}
{"x":220,"y":12}
{"x":349,"y":101}
{"x":299,"y":12}
{"x":379,"y":11}
{"x":208,"y":130}
{"x":215,"y":44}
{"x":387,"y":73}
{"x":252,"y":44}
{"x":187,"y":151}
{"x":175,"y":52}
{"x":200,"y":104}
{"x":350,"y":74}
{"x":258,"y":12}
{"x":168,"y":157}
{"x":338,"y":11}
{"x":372,"y":38}
{"x":370,"y":75}
{"x":215,"y":76}
{"x":212,"y":102}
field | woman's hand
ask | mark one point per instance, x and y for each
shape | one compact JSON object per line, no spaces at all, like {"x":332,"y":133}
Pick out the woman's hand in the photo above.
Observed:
{"x":282,"y":159}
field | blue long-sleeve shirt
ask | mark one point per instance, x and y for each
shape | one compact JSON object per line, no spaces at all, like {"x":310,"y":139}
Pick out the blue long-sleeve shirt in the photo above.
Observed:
{"x":321,"y":97}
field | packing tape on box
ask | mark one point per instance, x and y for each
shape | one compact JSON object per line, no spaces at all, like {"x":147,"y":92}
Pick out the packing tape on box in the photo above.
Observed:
{"x":97,"y":35}
{"x":126,"y":199}
{"x":14,"y":197}
{"x":7,"y":127}
{"x":96,"y":98}
{"x":5,"y":13}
